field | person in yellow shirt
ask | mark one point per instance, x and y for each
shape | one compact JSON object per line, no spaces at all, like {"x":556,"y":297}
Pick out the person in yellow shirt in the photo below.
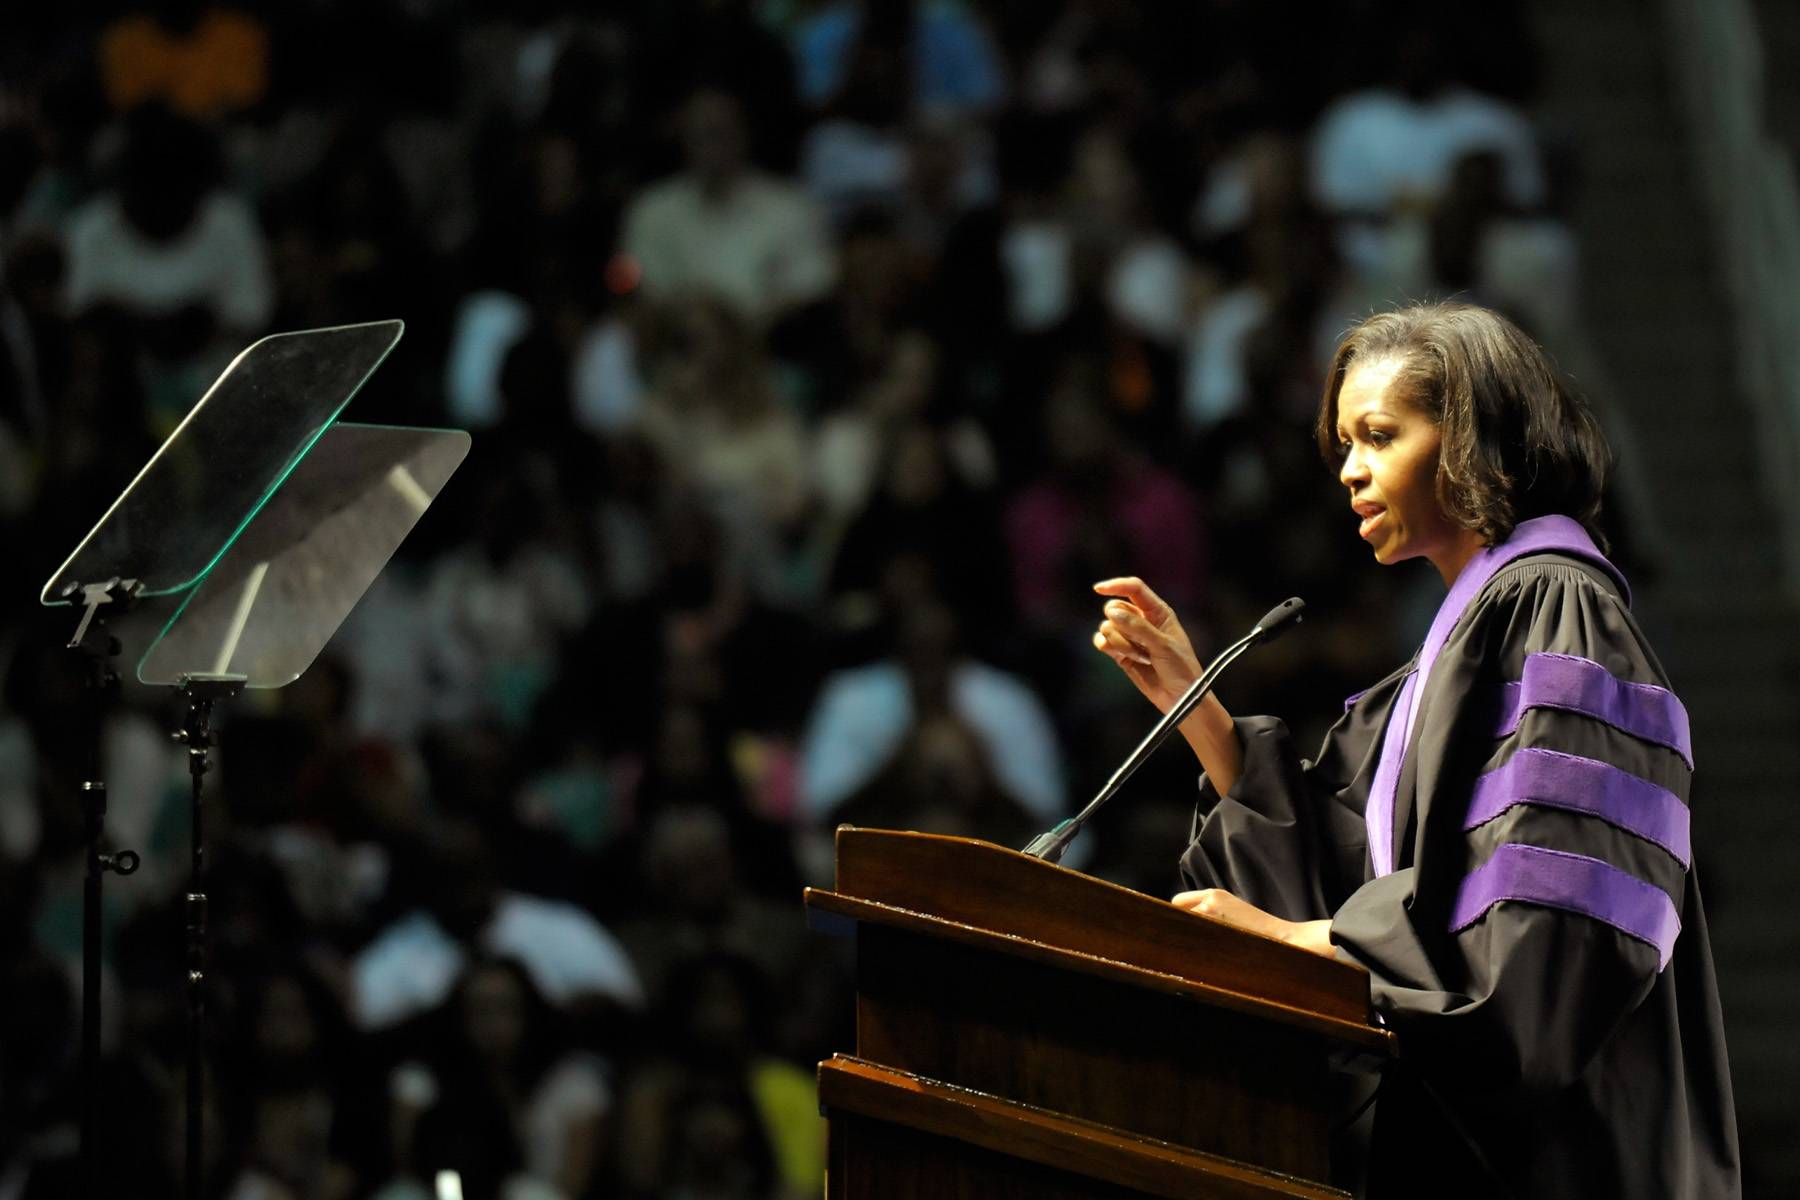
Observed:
{"x":202,"y":61}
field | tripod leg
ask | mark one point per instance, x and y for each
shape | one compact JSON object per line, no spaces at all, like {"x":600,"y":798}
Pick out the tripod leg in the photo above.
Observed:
{"x":93,"y":798}
{"x":196,"y":1050}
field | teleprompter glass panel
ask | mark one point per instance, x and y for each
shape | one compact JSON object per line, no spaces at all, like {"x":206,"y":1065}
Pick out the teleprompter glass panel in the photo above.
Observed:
{"x":289,"y":579}
{"x":225,"y":459}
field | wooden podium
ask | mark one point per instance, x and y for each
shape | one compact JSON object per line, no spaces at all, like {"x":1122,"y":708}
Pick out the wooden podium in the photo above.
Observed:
{"x":1023,"y":1030}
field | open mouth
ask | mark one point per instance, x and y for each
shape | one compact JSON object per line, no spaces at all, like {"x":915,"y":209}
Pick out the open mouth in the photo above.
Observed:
{"x":1371,"y":518}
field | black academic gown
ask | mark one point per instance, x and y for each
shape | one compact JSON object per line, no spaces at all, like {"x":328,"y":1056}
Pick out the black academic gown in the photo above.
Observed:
{"x":1543,"y":1052}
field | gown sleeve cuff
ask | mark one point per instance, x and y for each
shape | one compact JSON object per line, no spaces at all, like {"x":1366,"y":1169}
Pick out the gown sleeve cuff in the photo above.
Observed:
{"x":1269,"y":758}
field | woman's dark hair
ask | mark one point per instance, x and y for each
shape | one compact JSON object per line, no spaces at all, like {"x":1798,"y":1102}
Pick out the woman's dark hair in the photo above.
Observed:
{"x":1516,"y":442}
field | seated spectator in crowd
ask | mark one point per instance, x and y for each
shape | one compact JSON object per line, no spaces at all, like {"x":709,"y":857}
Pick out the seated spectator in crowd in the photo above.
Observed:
{"x":725,"y":434}
{"x":307,"y":1107}
{"x":490,"y":324}
{"x":717,"y":1147}
{"x":700,"y":758}
{"x":338,"y":813}
{"x":932,"y":738}
{"x":430,"y":145}
{"x":731,"y":44}
{"x":203,"y":60}
{"x":24,"y":416}
{"x":38,"y":1006}
{"x":715,"y":1114}
{"x":1276,"y":280}
{"x":1399,"y":142}
{"x":855,"y":155}
{"x":833,"y":347}
{"x":36,"y":192}
{"x":168,"y":244}
{"x":714,"y":642}
{"x":501,"y":1096}
{"x":624,"y":519}
{"x":946,"y":53}
{"x":928,"y":525}
{"x":547,"y":224}
{"x":605,"y":383}
{"x":418,"y":959}
{"x":1259,"y":180}
{"x":870,"y":149}
{"x":950,"y":220}
{"x":1100,"y":507}
{"x":695,"y":868}
{"x":724,"y":228}
{"x":499,"y":605}
{"x":856,"y":444}
{"x":31,"y":333}
{"x":1475,"y":244}
{"x":1098,"y":224}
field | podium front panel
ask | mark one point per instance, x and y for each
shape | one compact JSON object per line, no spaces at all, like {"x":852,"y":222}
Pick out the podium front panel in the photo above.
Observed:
{"x":1148,"y":1063}
{"x":1014,"y":1018}
{"x":897,"y":1135}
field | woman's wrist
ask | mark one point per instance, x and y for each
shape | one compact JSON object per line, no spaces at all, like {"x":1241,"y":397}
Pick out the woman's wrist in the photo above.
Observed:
{"x":1311,"y":935}
{"x":1212,"y":735}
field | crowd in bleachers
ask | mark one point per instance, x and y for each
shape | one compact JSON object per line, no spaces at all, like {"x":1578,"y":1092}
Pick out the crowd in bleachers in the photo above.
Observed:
{"x":819,"y":356}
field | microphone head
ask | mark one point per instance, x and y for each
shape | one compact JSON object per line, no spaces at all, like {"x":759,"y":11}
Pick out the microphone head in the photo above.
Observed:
{"x":1280,"y":618}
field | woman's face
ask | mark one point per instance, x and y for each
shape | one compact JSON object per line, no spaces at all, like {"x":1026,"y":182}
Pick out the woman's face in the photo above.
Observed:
{"x":1390,"y":449}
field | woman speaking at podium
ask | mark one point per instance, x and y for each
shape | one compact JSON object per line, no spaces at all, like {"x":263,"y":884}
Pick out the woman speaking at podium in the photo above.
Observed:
{"x":1498,"y":831}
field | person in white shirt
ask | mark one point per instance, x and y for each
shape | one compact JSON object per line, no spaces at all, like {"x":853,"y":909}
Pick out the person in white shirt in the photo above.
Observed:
{"x":722,"y":226}
{"x":412,"y":965}
{"x":166,"y":238}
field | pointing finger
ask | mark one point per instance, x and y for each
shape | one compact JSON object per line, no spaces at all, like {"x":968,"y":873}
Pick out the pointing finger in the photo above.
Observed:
{"x":1130,"y":587}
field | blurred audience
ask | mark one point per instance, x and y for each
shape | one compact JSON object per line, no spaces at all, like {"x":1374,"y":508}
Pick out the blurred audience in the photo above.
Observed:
{"x":820,"y":356}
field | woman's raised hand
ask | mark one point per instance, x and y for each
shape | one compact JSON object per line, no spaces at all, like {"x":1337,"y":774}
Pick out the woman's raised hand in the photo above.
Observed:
{"x":1141,"y":633}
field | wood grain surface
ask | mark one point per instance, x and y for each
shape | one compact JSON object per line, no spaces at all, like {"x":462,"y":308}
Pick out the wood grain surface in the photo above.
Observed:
{"x":896,"y":1135}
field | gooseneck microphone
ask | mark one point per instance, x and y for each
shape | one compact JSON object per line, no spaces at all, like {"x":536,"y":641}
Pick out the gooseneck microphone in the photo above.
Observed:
{"x":1050,"y":846}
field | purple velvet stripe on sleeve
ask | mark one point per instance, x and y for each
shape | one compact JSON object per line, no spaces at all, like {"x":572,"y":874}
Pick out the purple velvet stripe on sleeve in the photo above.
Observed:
{"x":1552,"y":779}
{"x":1575,"y":883}
{"x":1584,"y":686}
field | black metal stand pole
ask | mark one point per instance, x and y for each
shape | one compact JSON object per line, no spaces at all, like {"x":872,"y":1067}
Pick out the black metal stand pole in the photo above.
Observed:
{"x":97,"y":650}
{"x":93,"y":806}
{"x":201,"y":692}
{"x":93,"y":798}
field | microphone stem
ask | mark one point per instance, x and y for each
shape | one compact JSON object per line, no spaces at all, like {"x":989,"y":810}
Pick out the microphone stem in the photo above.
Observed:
{"x":1050,"y":846}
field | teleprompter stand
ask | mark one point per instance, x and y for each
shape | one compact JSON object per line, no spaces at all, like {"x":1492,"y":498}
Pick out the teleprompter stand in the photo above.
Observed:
{"x":260,"y":522}
{"x":201,"y":692}
{"x":97,"y":650}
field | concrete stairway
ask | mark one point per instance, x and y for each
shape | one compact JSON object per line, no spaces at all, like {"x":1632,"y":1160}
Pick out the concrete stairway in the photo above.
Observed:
{"x":1657,"y":316}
